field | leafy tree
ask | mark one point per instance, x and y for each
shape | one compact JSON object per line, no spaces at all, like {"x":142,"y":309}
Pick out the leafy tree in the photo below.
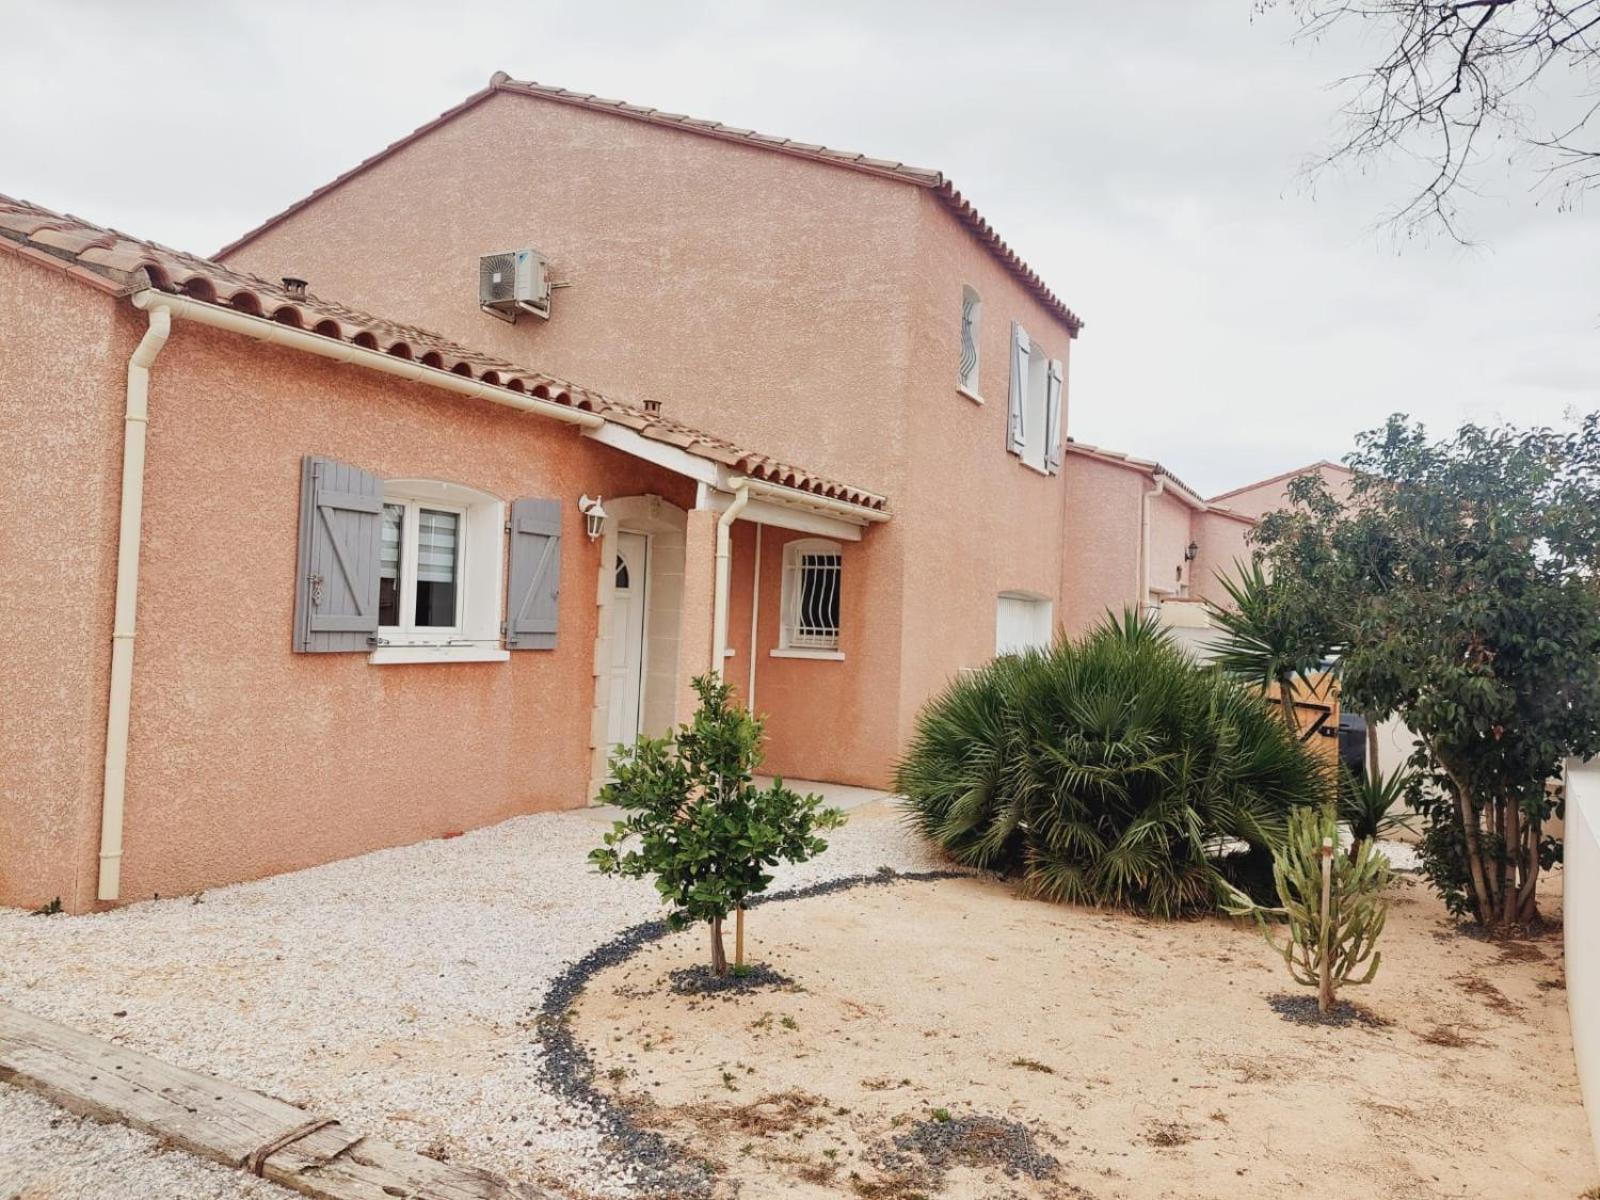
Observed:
{"x":1458,"y":82}
{"x":1105,"y":771}
{"x":1324,"y":952}
{"x":704,"y":830}
{"x":1465,"y":580}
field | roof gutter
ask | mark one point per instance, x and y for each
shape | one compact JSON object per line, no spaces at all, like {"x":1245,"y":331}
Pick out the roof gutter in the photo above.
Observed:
{"x":280,"y":334}
{"x":795,"y":498}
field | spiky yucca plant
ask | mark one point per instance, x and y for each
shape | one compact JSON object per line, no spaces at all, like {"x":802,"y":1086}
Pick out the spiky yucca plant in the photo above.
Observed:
{"x":1105,"y":771}
{"x":1372,"y":804}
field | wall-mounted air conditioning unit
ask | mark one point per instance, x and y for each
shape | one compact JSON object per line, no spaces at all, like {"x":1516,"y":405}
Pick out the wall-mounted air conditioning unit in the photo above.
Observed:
{"x":514,"y":282}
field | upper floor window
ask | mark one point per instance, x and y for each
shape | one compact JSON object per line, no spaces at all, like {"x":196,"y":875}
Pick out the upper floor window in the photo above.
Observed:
{"x":971,"y":326}
{"x":1033,"y":427}
{"x":812,"y":570}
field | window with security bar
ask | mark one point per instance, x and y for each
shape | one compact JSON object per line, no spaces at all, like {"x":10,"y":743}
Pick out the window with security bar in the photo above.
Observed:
{"x":812,"y":570}
{"x":971,"y":321}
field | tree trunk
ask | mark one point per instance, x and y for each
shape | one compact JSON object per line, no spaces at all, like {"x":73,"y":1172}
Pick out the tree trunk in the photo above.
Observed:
{"x":1286,"y":701}
{"x":719,"y":955}
{"x":1528,"y":900}
{"x":1373,"y":771}
{"x":1511,"y":895}
{"x":1482,"y":904}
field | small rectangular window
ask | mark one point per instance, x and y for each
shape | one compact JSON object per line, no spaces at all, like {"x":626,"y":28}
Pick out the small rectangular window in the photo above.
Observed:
{"x":420,"y":566}
{"x":971,"y":323}
{"x":811,"y":579}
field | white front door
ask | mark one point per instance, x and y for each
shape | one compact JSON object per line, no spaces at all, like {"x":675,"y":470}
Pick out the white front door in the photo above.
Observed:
{"x":627,"y":637}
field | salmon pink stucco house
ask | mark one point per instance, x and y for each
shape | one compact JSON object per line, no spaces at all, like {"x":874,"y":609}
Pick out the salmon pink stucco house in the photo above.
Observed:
{"x":390,"y":520}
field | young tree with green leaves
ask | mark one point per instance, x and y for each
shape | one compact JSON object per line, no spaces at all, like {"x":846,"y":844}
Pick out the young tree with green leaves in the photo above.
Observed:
{"x":1462,"y":579}
{"x":703,"y":828}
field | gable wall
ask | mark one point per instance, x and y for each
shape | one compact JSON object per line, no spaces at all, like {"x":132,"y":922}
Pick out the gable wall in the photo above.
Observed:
{"x":758,"y":296}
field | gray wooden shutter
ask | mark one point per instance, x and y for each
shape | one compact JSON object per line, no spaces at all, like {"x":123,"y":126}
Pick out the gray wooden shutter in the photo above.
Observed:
{"x":336,"y":593}
{"x":1016,"y":424}
{"x":533,"y":586}
{"x":1052,"y":420}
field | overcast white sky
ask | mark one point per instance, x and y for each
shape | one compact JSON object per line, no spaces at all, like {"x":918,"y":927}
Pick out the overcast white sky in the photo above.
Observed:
{"x":1143,"y":156}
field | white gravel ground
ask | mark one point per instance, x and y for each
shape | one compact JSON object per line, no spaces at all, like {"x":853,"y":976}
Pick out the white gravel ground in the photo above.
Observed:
{"x":393,"y":991}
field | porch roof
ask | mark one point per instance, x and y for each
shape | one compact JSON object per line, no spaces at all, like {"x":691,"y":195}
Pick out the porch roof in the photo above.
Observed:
{"x":124,"y":265}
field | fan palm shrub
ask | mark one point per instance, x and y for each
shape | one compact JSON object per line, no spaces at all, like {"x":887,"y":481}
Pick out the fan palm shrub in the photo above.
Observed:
{"x":1112,"y":770}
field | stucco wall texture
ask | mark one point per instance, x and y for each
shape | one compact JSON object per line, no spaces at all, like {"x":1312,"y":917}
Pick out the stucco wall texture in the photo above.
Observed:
{"x":809,"y":310}
{"x":1103,"y":535}
{"x":246,"y":759}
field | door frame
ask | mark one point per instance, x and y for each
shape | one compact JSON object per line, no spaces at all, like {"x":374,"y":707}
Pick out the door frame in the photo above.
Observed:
{"x":665,"y":526}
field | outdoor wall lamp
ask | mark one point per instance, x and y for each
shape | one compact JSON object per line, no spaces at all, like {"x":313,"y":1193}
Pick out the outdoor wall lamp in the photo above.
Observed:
{"x":594,"y":516}
{"x":1191,"y":551}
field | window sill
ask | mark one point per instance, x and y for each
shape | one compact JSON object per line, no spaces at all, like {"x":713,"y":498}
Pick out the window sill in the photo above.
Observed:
{"x":1036,"y":470}
{"x":820,"y":655}
{"x":973,"y":396}
{"x":425,"y":653}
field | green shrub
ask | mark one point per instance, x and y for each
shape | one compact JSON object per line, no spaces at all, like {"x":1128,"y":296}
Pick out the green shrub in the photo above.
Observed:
{"x":696,"y":821}
{"x":1105,"y":771}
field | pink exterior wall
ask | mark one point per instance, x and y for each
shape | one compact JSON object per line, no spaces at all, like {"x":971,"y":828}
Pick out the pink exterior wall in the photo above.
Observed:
{"x":1223,"y":546}
{"x":247,"y":759}
{"x":757,"y":296}
{"x":1258,"y":499}
{"x":60,"y":430}
{"x":1171,"y":530}
{"x":973,"y":520}
{"x":810,"y":311}
{"x":1102,"y":540}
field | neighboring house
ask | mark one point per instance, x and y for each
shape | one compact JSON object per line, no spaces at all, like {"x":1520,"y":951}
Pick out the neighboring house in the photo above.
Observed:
{"x":1138,"y":536}
{"x":392,"y":577}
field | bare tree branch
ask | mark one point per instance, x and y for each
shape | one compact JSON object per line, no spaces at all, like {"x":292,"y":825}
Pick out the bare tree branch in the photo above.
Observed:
{"x":1458,"y":82}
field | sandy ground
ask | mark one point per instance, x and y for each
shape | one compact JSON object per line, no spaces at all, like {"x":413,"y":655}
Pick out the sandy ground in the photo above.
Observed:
{"x":395,"y":992}
{"x":1144,"y":1057}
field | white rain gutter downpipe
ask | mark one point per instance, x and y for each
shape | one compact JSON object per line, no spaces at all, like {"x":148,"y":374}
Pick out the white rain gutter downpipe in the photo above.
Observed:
{"x":755,"y":615}
{"x":135,"y":423}
{"x":719,"y":605}
{"x":279,"y":334}
{"x":1143,"y":599}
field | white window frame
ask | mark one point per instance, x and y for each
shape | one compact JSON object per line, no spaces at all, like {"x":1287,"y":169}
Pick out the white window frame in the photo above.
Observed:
{"x":410,"y":542}
{"x":792,"y":644}
{"x":480,"y":577}
{"x":967,"y":382}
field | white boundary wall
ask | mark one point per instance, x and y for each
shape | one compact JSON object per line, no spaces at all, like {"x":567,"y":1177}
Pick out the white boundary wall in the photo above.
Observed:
{"x":1580,"y":909}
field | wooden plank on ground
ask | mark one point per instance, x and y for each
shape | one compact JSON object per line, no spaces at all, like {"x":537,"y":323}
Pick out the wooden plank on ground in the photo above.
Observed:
{"x":225,"y":1122}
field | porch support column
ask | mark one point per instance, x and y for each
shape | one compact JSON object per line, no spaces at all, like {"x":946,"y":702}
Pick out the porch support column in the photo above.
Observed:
{"x":699,"y":605}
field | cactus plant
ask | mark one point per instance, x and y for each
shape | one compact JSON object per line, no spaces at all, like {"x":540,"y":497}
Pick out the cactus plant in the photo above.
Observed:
{"x":1332,"y":903}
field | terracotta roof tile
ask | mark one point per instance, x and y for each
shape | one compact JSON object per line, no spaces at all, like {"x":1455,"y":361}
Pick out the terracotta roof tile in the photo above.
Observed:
{"x":921,"y":176}
{"x":125,"y":264}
